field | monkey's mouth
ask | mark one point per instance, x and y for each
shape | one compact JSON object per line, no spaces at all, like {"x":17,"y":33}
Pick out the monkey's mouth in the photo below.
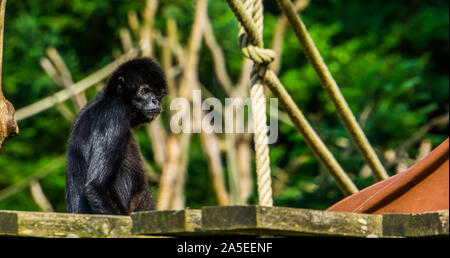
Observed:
{"x":152,"y":113}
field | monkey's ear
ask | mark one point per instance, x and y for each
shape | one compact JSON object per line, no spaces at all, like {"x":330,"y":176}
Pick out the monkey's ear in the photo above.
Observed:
{"x":119,"y":90}
{"x":119,"y":86}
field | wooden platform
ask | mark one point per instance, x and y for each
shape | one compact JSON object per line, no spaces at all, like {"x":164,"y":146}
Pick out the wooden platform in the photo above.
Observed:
{"x":182,"y":222}
{"x":225,"y":220}
{"x":49,"y":224}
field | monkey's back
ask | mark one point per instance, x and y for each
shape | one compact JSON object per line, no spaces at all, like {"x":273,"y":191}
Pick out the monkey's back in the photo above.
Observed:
{"x":77,"y":161}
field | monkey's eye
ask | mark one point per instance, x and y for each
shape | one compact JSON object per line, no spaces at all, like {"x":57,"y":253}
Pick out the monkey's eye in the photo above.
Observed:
{"x":145,"y":89}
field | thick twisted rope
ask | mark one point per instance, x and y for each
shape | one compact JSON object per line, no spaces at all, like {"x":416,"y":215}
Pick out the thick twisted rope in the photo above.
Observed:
{"x":310,"y":136}
{"x":261,"y":58}
{"x":332,"y":89}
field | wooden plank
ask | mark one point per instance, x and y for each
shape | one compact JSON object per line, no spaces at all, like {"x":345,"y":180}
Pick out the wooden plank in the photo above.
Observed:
{"x":224,"y":220}
{"x":289,"y":221}
{"x":50,"y":224}
{"x":172,"y":222}
{"x":416,"y":225}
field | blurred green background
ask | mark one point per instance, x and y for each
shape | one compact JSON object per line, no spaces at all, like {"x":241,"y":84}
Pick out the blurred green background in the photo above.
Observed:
{"x":390,"y":59}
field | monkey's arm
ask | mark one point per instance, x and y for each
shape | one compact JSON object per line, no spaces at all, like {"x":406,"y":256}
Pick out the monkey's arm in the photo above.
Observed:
{"x":108,"y":143}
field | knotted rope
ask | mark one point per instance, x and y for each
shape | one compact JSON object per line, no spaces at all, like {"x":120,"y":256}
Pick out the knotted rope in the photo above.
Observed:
{"x":261,"y":58}
{"x":256,"y":50}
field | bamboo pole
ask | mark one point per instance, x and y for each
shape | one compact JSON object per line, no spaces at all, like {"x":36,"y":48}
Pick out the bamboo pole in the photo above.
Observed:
{"x":211,"y":147}
{"x":78,"y":87}
{"x":39,"y":196}
{"x":47,"y":169}
{"x":79,"y":100}
{"x":218,"y":58}
{"x":188,"y":83}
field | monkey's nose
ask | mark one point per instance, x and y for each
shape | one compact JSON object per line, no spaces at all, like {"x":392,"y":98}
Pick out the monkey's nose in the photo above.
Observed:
{"x":154,"y":106}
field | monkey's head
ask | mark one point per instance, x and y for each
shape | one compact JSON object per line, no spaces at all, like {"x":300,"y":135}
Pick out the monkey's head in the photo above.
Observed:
{"x":141,"y":84}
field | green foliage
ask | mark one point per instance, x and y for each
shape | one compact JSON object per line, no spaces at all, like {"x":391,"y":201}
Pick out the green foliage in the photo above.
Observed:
{"x":389,"y":58}
{"x":384,"y":67}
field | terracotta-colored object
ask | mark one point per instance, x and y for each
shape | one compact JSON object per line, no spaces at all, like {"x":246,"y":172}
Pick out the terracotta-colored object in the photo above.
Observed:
{"x":423,"y":187}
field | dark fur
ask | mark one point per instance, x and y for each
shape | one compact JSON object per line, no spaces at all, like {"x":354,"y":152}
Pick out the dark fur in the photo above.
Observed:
{"x":104,"y":170}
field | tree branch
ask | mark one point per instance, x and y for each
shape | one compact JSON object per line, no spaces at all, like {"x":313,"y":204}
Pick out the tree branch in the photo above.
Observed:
{"x":49,"y":168}
{"x":39,"y":197}
{"x":218,"y":58}
{"x":8,"y":127}
{"x":78,"y":87}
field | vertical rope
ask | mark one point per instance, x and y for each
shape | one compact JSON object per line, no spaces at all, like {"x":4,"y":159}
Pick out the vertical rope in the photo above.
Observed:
{"x":264,"y":181}
{"x":265,"y":56}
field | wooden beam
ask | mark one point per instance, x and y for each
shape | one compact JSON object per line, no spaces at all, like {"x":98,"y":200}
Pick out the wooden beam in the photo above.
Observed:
{"x":299,"y":222}
{"x":416,"y":225}
{"x":290,"y":221}
{"x":225,"y":220}
{"x":169,"y":222}
{"x":56,"y":225}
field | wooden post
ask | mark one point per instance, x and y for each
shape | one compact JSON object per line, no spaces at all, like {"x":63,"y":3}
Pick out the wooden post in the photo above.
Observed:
{"x":8,"y":126}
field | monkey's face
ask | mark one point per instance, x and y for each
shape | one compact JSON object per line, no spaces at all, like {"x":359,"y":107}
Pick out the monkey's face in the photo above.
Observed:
{"x":141,"y":84}
{"x":147,"y":101}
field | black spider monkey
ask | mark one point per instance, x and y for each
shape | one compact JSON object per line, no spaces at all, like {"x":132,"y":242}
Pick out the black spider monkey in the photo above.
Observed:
{"x":104,"y":172}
